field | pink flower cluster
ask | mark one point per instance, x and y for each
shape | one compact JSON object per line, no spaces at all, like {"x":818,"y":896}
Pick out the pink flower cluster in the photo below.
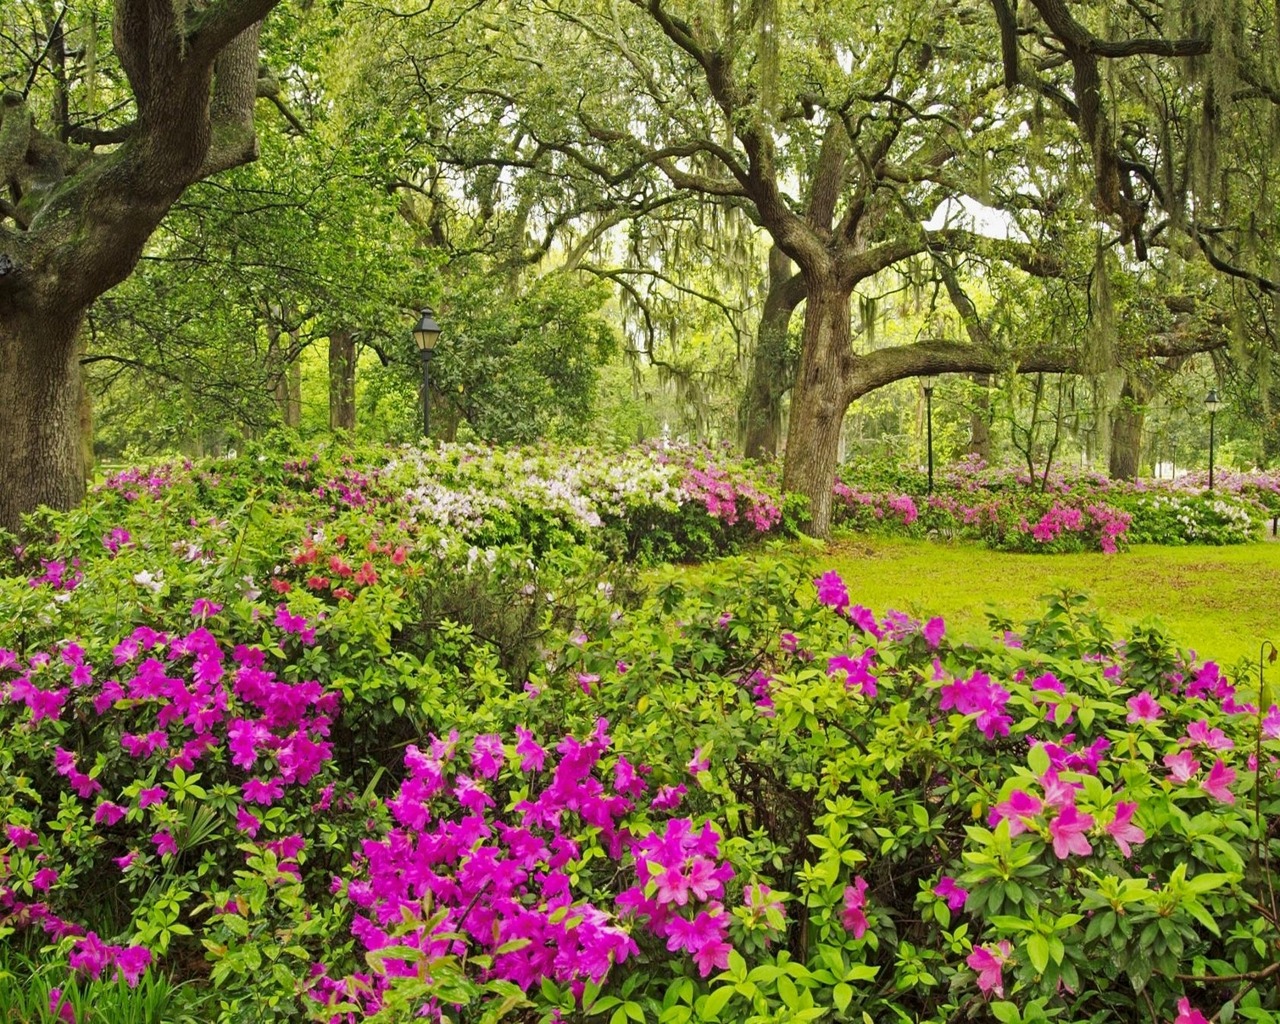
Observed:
{"x":453,"y":876}
{"x":178,"y":699}
{"x":1055,"y":814}
{"x":979,"y":696}
{"x":720,"y":495}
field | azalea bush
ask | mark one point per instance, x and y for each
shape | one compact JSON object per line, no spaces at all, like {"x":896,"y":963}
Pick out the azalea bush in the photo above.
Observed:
{"x":1009,"y":511}
{"x":285,"y":742}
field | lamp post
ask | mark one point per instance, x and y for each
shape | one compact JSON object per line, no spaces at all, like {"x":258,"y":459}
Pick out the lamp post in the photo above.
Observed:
{"x":425,"y":336}
{"x":1212,"y":405}
{"x":926,"y":385}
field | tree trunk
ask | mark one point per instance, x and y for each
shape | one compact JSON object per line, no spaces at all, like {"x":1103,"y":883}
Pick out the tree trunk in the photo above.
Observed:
{"x":342,"y":381}
{"x":980,"y":419}
{"x":762,"y":404}
{"x":819,"y":400}
{"x":1126,"y":433}
{"x":41,"y":458}
{"x":293,"y":396}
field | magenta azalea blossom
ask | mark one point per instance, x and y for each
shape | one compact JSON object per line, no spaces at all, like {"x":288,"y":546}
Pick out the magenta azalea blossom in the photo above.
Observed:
{"x":1122,"y":829}
{"x":857,"y":671}
{"x":487,"y":755}
{"x":164,"y":842}
{"x":699,"y":762}
{"x":989,"y":963}
{"x":1020,"y":806}
{"x":948,"y":890}
{"x":531,"y":755}
{"x":979,"y":696}
{"x":1188,"y":1014}
{"x":1182,"y":766}
{"x":1143,"y":707}
{"x":1200,"y":734}
{"x":933,"y":631}
{"x":853,"y":916}
{"x":1068,"y":830}
{"x":831,"y":590}
{"x":21,"y":837}
{"x":1218,"y":781}
{"x":150,"y":795}
{"x":107,"y":813}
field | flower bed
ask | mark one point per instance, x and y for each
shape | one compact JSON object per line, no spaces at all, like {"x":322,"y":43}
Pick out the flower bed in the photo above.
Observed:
{"x":1005,"y":509}
{"x":273,"y":732}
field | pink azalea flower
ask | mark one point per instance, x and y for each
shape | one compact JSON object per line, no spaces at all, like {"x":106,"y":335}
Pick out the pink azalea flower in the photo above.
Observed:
{"x":123,"y":863}
{"x":699,"y":762}
{"x":531,"y":755}
{"x":831,"y":590}
{"x":60,"y":1007}
{"x":1068,"y":830}
{"x":258,"y":791}
{"x":857,"y":671}
{"x":247,"y":821}
{"x":586,"y":680}
{"x":1182,"y":766}
{"x":853,"y":916}
{"x":989,"y":963}
{"x":131,"y":963}
{"x":1187,"y":1014}
{"x":487,"y":755}
{"x":668,"y":798}
{"x":1058,"y":792}
{"x":1020,"y":806}
{"x":1199,"y":733}
{"x":1143,"y":707}
{"x":1218,"y":780}
{"x":150,"y":795}
{"x":164,"y":843}
{"x":108,"y":813}
{"x":933,"y":631}
{"x":21,"y":837}
{"x":948,"y":890}
{"x":1122,"y":829}
{"x":43,"y":879}
{"x":471,"y":795}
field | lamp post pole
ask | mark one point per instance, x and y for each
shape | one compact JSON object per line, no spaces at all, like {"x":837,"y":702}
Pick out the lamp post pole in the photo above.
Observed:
{"x":426,"y":354}
{"x":425,"y":335}
{"x":1212,"y":404}
{"x":926,"y":384}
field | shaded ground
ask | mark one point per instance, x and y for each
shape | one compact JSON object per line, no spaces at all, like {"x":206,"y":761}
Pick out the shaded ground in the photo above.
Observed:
{"x":1220,"y":601}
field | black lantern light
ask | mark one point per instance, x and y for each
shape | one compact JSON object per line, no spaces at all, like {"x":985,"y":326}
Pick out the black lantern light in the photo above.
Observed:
{"x":1211,"y":405}
{"x":425,"y":335}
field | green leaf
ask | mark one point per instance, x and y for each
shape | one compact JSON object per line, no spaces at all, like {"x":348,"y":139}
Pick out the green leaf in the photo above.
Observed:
{"x":842,"y":995}
{"x":1038,"y":951}
{"x":715,"y":1002}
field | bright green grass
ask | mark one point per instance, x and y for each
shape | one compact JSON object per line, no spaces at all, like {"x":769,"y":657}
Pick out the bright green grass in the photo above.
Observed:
{"x":1220,"y":601}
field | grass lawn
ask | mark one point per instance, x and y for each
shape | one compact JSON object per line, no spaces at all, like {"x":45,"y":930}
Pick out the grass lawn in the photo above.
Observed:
{"x":1220,"y":601}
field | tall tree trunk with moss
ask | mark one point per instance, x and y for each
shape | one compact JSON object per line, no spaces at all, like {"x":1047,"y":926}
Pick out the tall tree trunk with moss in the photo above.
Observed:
{"x":770,"y":376}
{"x":342,"y":380}
{"x":74,"y":221}
{"x":1127,"y":421}
{"x":980,"y":418}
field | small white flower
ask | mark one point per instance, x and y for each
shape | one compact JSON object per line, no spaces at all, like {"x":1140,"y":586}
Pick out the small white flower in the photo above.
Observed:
{"x":153,"y":583}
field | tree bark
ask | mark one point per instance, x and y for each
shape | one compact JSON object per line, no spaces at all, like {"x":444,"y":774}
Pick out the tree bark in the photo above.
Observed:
{"x":1127,"y":420}
{"x":980,"y":419}
{"x":819,"y":400}
{"x":342,"y":380}
{"x":41,"y":457}
{"x":770,"y":380}
{"x":85,"y":217}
